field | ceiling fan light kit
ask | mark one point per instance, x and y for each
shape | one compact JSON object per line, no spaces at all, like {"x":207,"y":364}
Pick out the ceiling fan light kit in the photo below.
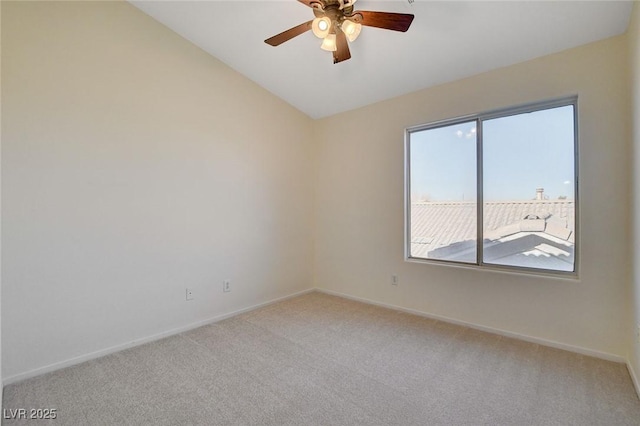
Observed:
{"x":336,"y":22}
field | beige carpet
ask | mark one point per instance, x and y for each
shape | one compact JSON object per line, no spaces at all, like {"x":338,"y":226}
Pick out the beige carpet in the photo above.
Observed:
{"x":322,"y":360}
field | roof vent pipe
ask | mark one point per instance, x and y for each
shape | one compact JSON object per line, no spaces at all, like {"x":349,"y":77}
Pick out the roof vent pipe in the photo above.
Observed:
{"x":539,"y":193}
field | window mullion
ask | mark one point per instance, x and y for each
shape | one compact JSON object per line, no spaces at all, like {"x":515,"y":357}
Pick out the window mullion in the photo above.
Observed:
{"x":480,"y":198}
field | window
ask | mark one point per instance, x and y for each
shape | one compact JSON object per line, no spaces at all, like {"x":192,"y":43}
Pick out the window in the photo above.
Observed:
{"x":497,"y":189}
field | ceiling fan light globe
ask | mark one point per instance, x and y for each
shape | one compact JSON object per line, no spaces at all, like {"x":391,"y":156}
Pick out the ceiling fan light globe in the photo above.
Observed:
{"x":329,"y":43}
{"x":351,"y":29}
{"x":321,"y":27}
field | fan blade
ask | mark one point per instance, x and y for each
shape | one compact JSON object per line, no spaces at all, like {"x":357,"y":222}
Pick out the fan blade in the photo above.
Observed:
{"x":289,"y":34}
{"x":385,"y":20}
{"x":342,"y":52}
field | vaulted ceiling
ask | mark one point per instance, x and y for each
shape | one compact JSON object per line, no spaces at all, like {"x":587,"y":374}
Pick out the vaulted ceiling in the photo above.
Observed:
{"x":447,"y":40}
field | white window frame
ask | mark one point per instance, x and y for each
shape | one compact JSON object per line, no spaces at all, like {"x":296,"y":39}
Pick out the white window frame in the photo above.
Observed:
{"x":479,"y":119}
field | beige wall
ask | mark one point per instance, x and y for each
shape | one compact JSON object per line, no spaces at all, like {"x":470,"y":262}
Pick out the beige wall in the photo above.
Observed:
{"x":359,"y":205}
{"x":135,"y":165}
{"x":633,"y":35}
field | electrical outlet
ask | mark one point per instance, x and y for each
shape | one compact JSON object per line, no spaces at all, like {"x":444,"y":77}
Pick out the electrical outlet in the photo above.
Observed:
{"x":638,"y":333}
{"x":226,"y":286}
{"x":189,"y":294}
{"x":394,"y":279}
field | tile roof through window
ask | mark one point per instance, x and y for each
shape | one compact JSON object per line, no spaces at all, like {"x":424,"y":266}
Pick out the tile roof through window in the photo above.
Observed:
{"x":438,"y":224}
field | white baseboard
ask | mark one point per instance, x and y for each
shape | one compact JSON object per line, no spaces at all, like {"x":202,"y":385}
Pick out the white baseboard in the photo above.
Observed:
{"x":102,"y":352}
{"x":531,"y":339}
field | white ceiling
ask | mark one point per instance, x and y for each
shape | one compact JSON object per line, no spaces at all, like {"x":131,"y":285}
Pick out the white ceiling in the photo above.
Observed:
{"x":448,"y":40}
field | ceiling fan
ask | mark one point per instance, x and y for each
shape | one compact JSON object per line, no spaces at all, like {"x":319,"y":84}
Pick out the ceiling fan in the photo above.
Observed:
{"x":336,"y":21}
